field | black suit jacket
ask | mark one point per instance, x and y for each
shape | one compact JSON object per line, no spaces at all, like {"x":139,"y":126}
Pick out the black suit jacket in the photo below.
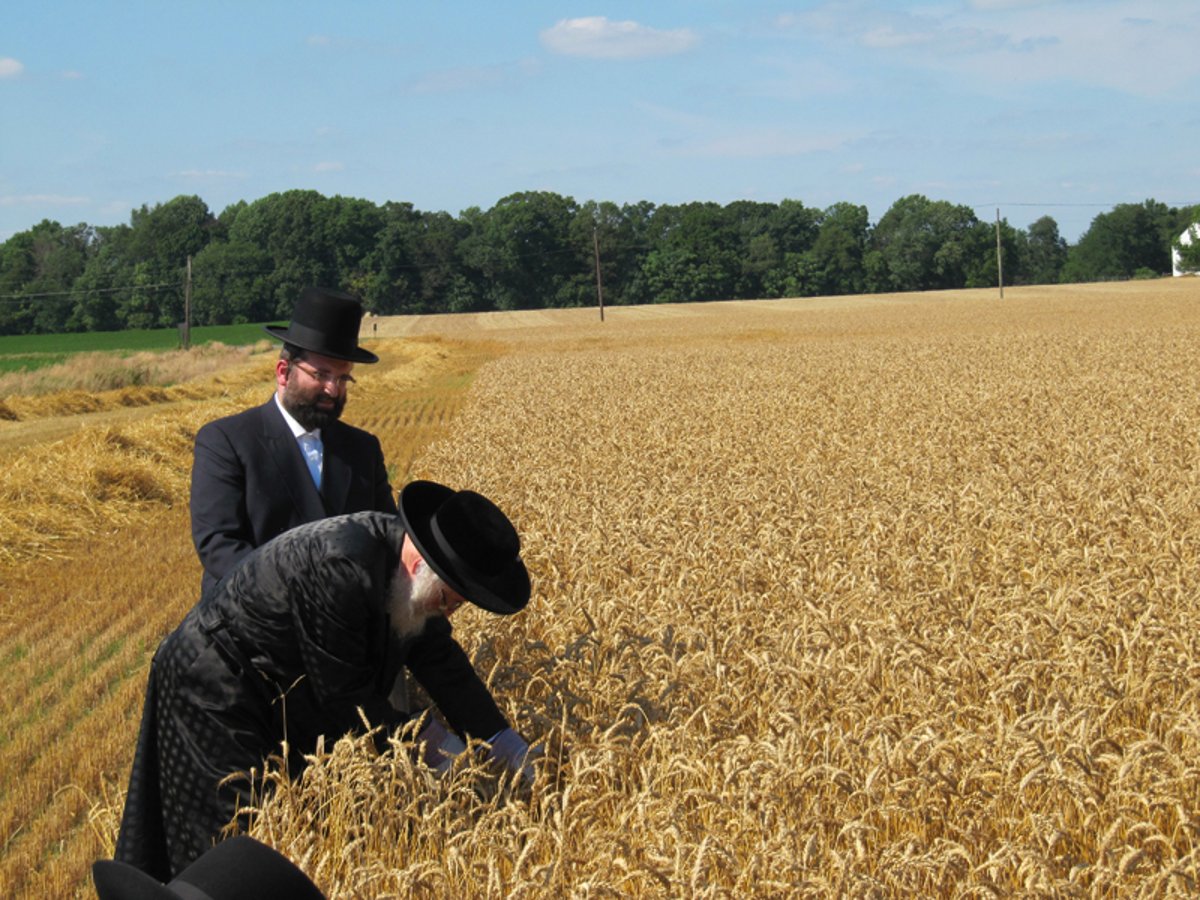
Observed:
{"x":250,"y":483}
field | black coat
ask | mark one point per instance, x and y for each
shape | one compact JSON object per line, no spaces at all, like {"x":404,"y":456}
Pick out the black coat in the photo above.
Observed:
{"x":250,"y":483}
{"x":297,"y":637}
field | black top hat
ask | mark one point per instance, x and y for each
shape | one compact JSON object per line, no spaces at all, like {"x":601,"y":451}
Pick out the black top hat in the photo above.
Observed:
{"x":326,"y":322}
{"x":469,"y":543}
{"x":240,"y":868}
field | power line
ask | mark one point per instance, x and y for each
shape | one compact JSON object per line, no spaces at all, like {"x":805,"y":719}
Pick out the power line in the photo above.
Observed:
{"x":1079,"y":205}
{"x":17,"y":298}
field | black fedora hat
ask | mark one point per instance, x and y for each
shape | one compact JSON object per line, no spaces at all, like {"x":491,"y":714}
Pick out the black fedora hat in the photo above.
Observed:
{"x":325,"y":322}
{"x":240,"y":868}
{"x":469,"y":543}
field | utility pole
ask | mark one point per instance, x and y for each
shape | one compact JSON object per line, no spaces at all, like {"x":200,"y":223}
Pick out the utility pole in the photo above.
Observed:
{"x":187,"y":307}
{"x":599,"y":286}
{"x":999,"y":260}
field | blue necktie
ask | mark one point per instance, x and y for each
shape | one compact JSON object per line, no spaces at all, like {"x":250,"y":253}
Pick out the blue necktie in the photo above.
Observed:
{"x":310,"y":444}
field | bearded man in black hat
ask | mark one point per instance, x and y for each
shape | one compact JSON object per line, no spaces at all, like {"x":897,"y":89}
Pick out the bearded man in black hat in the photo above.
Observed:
{"x":290,"y":461}
{"x":306,"y":630}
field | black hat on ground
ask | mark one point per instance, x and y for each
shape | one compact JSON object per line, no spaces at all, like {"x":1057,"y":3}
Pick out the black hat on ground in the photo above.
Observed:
{"x":469,"y":543}
{"x":240,"y":868}
{"x":326,"y":322}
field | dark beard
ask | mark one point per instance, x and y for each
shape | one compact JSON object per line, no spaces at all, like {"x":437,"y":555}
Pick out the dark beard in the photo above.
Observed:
{"x":310,"y":416}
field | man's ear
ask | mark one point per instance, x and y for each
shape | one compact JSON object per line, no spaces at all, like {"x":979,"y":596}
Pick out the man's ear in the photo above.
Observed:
{"x":410,"y":560}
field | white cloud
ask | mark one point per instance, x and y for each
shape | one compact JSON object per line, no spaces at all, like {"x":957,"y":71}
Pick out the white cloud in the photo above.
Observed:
{"x":886,"y":37}
{"x":670,"y":115}
{"x":1093,"y":44}
{"x":469,"y":78}
{"x":41,"y":200}
{"x":1022,"y":41}
{"x":71,"y":75}
{"x":208,"y":174}
{"x":450,"y":81}
{"x":1008,"y":4}
{"x":329,"y":166}
{"x":117,"y":207}
{"x":767,"y":143}
{"x":800,"y":78}
{"x":10,"y":68}
{"x":598,"y":37}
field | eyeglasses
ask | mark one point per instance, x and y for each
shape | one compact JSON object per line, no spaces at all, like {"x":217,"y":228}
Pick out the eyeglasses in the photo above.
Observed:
{"x":338,"y":381}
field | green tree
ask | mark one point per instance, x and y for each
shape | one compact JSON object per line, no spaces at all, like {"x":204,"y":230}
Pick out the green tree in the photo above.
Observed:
{"x":1118,"y":243}
{"x":1045,"y":253}
{"x":838,"y":254}
{"x":922,"y":245}
{"x":981,"y":267}
{"x":626,"y":237}
{"x":780,"y":257}
{"x":675,"y":274}
{"x":138,"y":306}
{"x":521,"y":247}
{"x":760,"y":257}
{"x":794,"y":226}
{"x":161,"y":239}
{"x":759,"y":234}
{"x":231,"y":284}
{"x":796,"y":276}
{"x":694,"y":258}
{"x":406,"y":270}
{"x":108,"y":272}
{"x":38,"y":268}
{"x":483,"y":264}
{"x":166,"y":234}
{"x":290,"y":228}
{"x":622,"y":233}
{"x":349,"y":231}
{"x":446,"y":286}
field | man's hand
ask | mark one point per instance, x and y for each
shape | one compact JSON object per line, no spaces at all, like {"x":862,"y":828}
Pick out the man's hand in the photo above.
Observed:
{"x":510,"y":749}
{"x":439,"y":745}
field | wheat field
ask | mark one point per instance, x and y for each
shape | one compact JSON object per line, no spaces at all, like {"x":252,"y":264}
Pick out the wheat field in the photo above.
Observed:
{"x":872,"y":597}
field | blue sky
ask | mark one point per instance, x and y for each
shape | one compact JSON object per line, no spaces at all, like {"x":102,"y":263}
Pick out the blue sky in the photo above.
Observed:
{"x":1059,"y":107}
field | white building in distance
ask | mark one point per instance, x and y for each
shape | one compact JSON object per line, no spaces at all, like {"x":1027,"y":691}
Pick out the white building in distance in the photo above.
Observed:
{"x":1192,"y":233}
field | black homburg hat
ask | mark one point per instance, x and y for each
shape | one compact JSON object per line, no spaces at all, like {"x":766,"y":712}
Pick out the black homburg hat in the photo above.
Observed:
{"x":326,"y":322}
{"x":469,"y":543}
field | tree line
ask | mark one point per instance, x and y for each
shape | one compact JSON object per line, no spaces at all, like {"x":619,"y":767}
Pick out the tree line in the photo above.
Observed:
{"x":535,"y":250}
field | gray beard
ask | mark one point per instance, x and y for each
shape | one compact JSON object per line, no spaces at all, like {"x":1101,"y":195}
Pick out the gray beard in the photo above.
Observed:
{"x":412,"y":601}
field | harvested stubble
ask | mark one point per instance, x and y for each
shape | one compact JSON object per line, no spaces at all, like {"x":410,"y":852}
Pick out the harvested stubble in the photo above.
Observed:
{"x":96,"y":565}
{"x":905,"y":612}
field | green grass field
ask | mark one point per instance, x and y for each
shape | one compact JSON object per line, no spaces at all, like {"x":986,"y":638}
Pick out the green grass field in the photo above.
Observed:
{"x":34,"y":351}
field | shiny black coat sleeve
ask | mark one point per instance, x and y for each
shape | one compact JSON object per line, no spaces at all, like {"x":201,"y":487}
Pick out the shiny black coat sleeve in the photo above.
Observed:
{"x":444,"y":670}
{"x":339,"y":630}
